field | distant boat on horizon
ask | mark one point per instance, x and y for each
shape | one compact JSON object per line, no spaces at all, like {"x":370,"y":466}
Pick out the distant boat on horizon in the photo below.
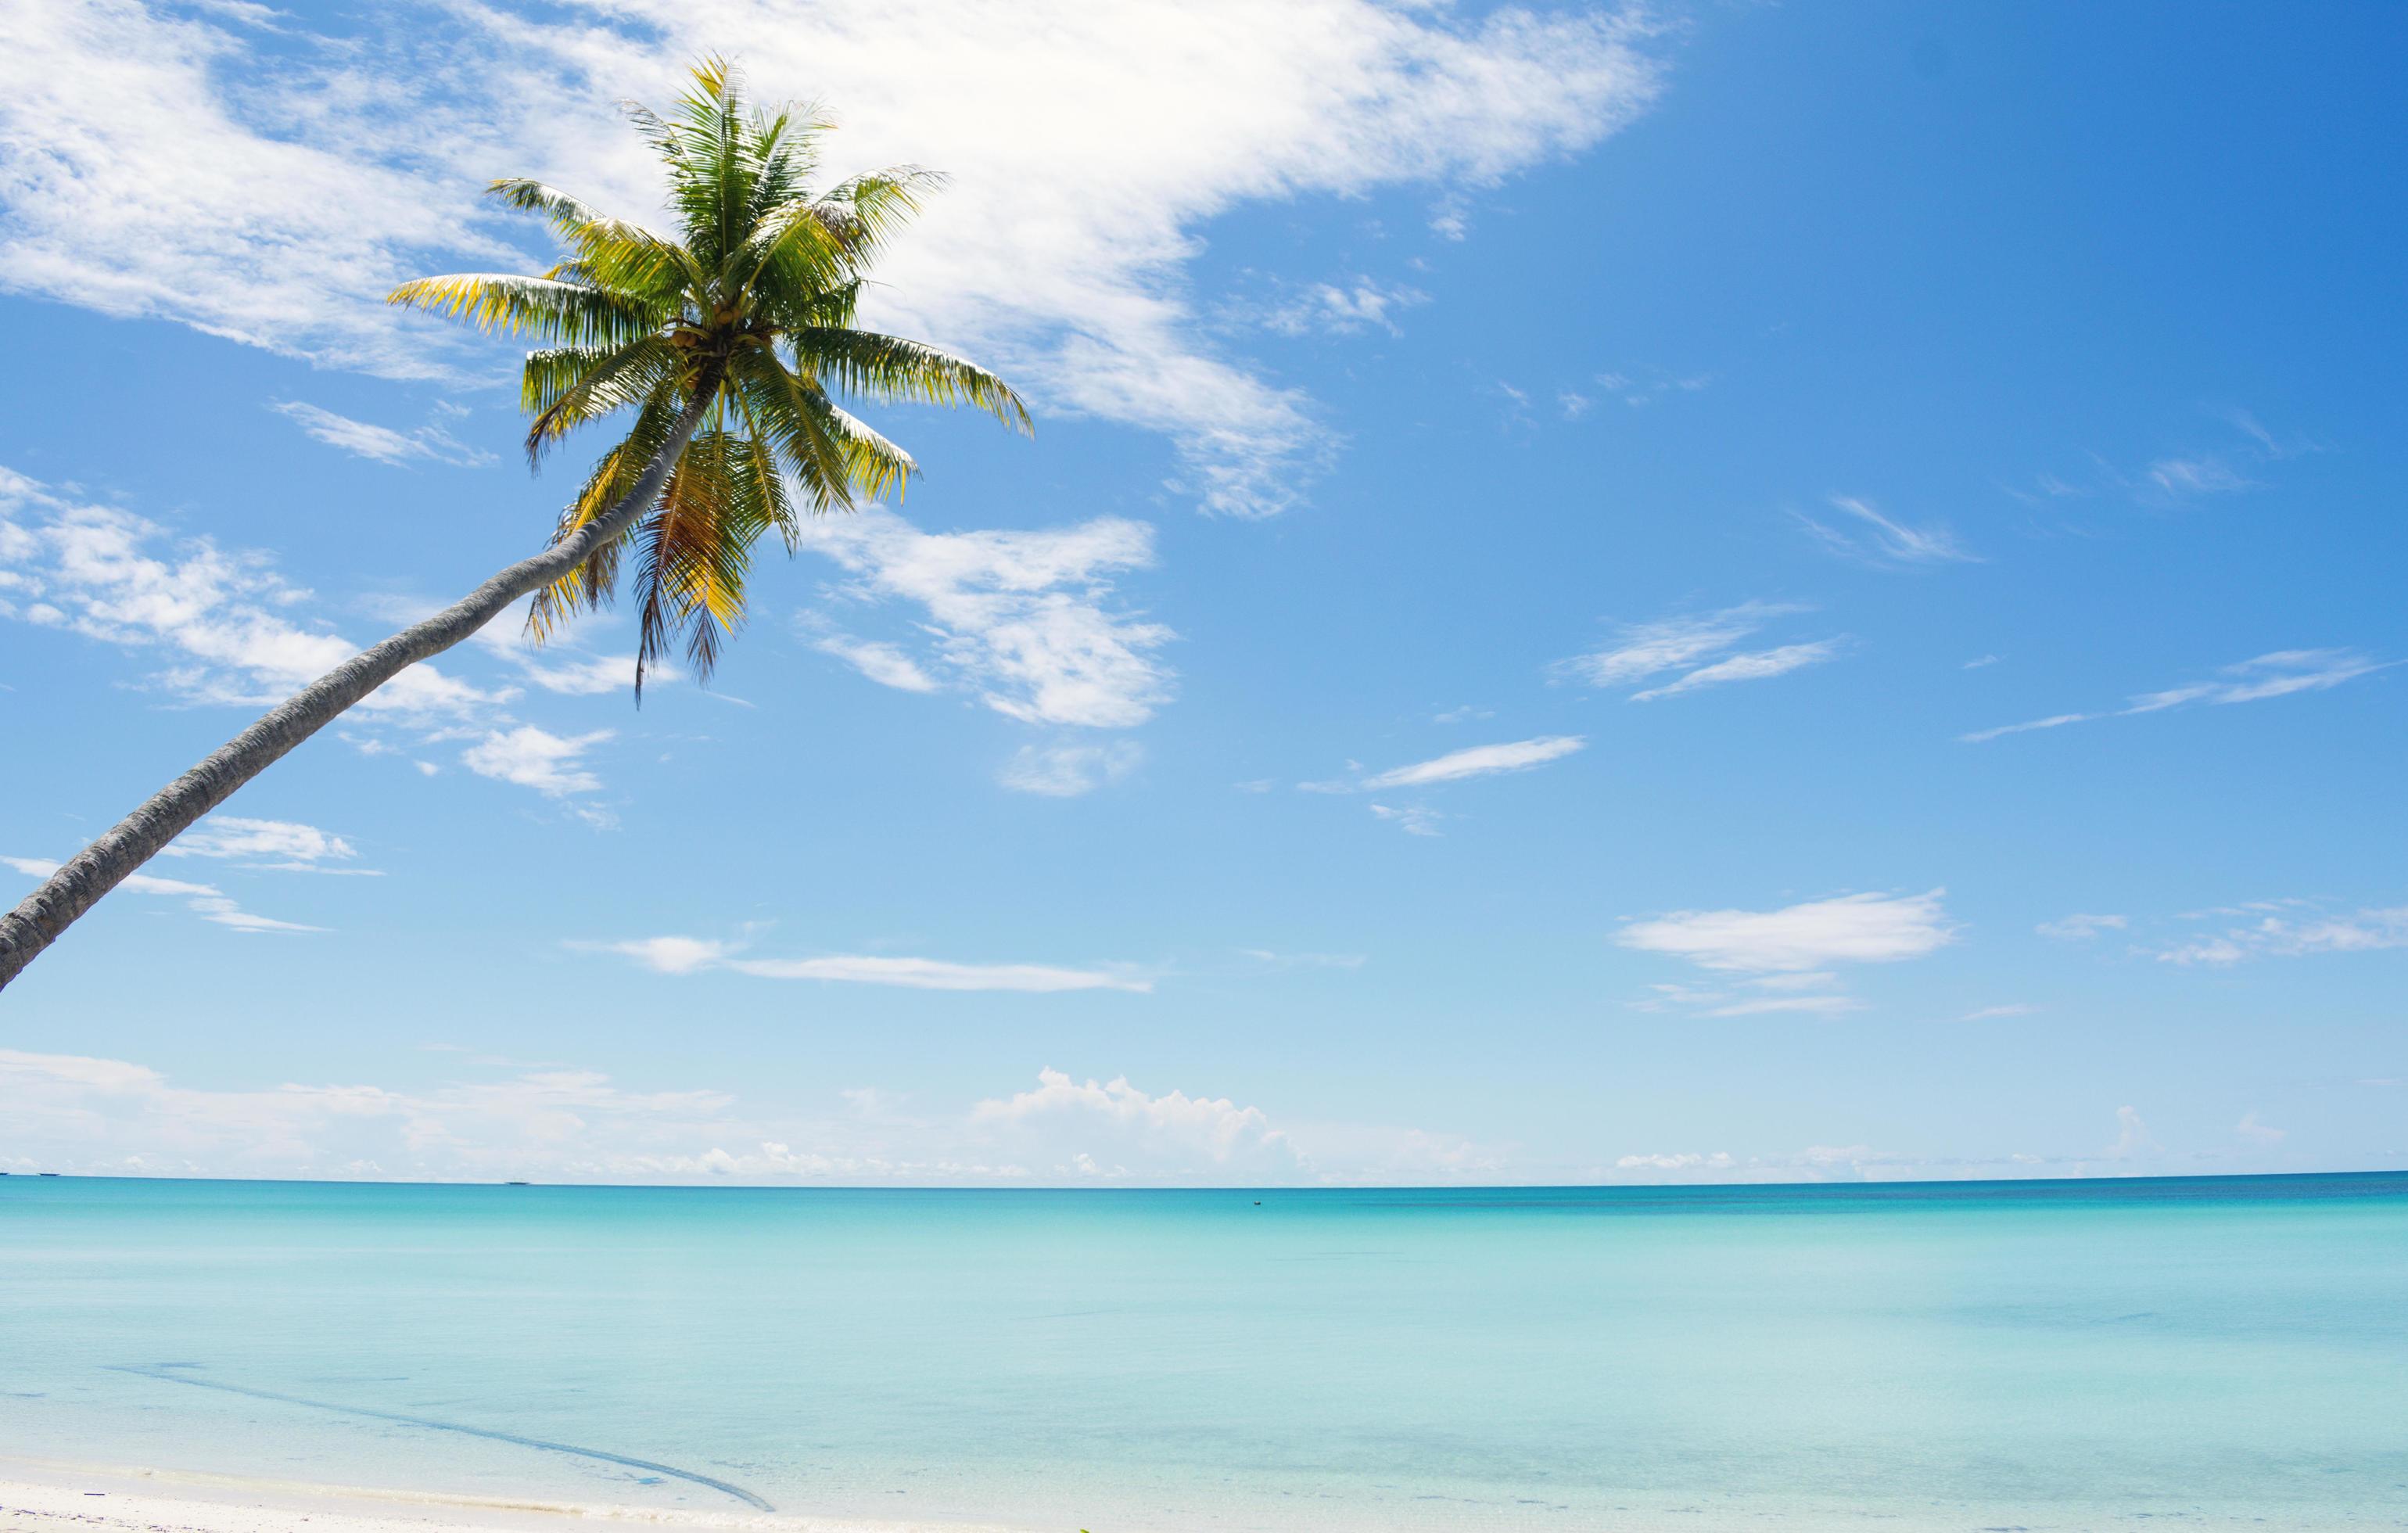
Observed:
{"x":517,"y":1184}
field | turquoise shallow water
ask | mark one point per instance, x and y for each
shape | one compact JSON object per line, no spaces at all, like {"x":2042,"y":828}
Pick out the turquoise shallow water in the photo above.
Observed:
{"x":1994,"y":1356}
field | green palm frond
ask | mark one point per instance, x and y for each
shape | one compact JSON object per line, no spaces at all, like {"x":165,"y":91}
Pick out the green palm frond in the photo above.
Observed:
{"x":746,"y":313}
{"x":566,"y":387}
{"x":887,"y":367}
{"x":791,"y":416}
{"x":572,"y":312}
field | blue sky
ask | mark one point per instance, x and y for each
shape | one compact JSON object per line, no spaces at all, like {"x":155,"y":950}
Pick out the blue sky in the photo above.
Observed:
{"x":1739,"y":593}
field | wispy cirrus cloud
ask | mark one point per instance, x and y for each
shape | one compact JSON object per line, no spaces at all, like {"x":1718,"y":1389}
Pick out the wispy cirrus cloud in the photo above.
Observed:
{"x":220,"y":621}
{"x":2207,"y":474}
{"x":695,"y":955}
{"x":2293,"y":936}
{"x":206,"y":900}
{"x":2079,"y":927}
{"x":1702,"y":649}
{"x":1358,"y":303}
{"x":1867,"y":535}
{"x":1755,"y":667}
{"x":2278,"y":674}
{"x":1069,"y":771}
{"x":888,"y":665}
{"x":382,"y":444}
{"x":1412,"y":819}
{"x":184,"y":164}
{"x":1813,"y":993}
{"x":1477,"y":761}
{"x":2235,"y":462}
{"x":1993,"y":1014}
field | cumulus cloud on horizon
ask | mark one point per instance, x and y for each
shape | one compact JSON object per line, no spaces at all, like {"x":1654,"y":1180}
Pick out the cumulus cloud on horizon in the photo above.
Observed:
{"x":105,"y":1116}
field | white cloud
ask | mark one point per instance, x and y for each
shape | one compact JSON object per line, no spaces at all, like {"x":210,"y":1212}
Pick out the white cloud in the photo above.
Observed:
{"x":1852,"y":928}
{"x":2078,"y":928}
{"x":1213,"y":1130}
{"x":107,"y":1116}
{"x":1881,"y":540}
{"x":1987,"y":1013}
{"x":2207,"y":474}
{"x":1746,"y":667}
{"x":1719,"y":1160}
{"x":2132,"y":1137}
{"x":218,"y":619}
{"x":2257,"y":1133}
{"x":73,"y":1113}
{"x":693,"y":955}
{"x":1817,"y":1006}
{"x":172,"y":165}
{"x":1478,"y":761}
{"x":1691,"y":644}
{"x":1815,"y":1163}
{"x":1067,"y":771}
{"x":2293,"y":937}
{"x":584,"y":675}
{"x":262,"y":843}
{"x":382,"y":444}
{"x":210,"y":903}
{"x":1648,"y":649}
{"x":1024,"y":619}
{"x":552,"y":765}
{"x":1282,"y":962}
{"x":2277,"y":674}
{"x":2055,"y":720}
{"x":885,"y":664}
{"x":1801,"y":994}
{"x":1412,"y":819}
{"x":1638,"y":387}
{"x":937,"y":974}
{"x":1343,"y":309}
{"x":672,"y":955}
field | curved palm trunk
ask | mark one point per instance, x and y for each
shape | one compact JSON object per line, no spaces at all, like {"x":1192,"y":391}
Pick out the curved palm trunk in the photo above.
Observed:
{"x":100,"y":866}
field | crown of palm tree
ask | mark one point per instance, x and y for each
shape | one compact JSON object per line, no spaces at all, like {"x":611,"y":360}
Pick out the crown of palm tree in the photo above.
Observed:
{"x":749,"y":314}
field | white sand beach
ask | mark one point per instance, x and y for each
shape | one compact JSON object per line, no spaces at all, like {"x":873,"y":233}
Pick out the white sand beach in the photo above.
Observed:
{"x":40,"y":1494}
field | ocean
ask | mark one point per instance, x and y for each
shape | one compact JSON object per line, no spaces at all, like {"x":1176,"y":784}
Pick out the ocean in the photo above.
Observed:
{"x":2213,"y":1352}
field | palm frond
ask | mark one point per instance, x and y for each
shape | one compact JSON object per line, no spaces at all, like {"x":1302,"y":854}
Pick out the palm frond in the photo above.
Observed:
{"x":792,"y":415}
{"x":745,"y":315}
{"x":569,"y":312}
{"x":590,"y":586}
{"x":692,"y":556}
{"x":874,"y":463}
{"x":565,"y":387}
{"x":888,"y":368}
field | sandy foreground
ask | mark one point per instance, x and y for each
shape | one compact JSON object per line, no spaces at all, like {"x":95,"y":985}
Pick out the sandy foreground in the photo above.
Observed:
{"x":41,"y":1495}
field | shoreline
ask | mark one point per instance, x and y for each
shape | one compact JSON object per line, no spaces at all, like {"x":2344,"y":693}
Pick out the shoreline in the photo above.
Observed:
{"x":46,"y":1493}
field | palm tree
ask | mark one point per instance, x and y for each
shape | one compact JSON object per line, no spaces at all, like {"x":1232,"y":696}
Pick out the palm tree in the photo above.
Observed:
{"x":727,"y":343}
